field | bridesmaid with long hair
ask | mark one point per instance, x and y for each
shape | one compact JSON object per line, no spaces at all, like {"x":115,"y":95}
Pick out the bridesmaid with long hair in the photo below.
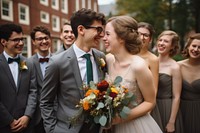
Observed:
{"x":170,"y":82}
{"x":190,"y":96}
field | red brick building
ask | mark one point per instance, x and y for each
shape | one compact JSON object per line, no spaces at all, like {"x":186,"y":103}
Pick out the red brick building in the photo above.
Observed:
{"x":50,"y":13}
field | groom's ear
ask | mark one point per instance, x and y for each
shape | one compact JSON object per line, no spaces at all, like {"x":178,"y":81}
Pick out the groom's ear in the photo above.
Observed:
{"x":81,"y":30}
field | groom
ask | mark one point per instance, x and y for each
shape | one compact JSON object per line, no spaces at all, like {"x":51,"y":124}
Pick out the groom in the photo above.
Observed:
{"x":66,"y":73}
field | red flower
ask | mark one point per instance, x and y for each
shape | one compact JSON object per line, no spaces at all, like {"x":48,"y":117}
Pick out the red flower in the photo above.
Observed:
{"x":102,"y":86}
{"x":113,"y":94}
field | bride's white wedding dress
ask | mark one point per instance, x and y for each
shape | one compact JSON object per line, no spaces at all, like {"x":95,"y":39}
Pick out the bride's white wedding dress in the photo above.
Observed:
{"x":143,"y":124}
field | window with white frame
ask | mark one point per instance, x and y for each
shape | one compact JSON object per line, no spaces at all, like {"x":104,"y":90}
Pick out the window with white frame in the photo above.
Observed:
{"x":27,"y":50}
{"x":77,"y":5}
{"x":44,"y":2}
{"x":55,"y":4}
{"x":64,"y":6}
{"x":63,"y":21}
{"x":23,"y":14}
{"x":95,"y":6}
{"x":83,"y":3}
{"x":89,"y":4}
{"x":44,"y":17}
{"x":56,"y":44}
{"x":7,"y":10}
{"x":55,"y":23}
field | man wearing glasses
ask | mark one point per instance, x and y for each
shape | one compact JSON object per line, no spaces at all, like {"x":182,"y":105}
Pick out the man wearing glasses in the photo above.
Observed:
{"x":18,"y":92}
{"x":67,"y":72}
{"x":41,"y":39}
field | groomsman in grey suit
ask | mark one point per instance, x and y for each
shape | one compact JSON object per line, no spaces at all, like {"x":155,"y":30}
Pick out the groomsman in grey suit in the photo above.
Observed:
{"x":41,"y":39}
{"x":67,"y":37}
{"x":66,"y":72}
{"x":18,"y":92}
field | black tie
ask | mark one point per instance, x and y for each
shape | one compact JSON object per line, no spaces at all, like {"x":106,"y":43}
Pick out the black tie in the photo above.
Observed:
{"x":42,"y":60}
{"x":88,"y":68}
{"x":10,"y":60}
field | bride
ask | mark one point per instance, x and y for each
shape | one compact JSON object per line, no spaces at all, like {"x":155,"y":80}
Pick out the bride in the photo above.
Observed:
{"x":123,"y":43}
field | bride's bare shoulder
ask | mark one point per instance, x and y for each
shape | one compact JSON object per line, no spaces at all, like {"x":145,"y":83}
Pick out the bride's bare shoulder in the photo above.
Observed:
{"x":138,"y":62}
{"x":109,"y":57}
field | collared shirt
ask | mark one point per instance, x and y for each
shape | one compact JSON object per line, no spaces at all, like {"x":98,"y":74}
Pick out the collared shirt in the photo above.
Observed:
{"x":44,"y":64}
{"x":82,"y":64}
{"x":14,"y":67}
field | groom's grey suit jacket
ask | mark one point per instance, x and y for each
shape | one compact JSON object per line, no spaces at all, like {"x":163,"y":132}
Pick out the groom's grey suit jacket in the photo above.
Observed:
{"x":16,"y":101}
{"x":63,"y":79}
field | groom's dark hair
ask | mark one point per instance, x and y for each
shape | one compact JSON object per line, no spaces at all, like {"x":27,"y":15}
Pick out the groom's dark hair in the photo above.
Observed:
{"x":85,"y":17}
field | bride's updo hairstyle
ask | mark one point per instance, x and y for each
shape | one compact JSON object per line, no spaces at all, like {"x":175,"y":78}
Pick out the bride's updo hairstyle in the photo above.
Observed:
{"x":126,"y":29}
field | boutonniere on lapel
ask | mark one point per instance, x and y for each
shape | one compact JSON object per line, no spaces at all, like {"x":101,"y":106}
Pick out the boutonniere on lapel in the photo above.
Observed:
{"x":23,"y":65}
{"x":102,"y":64}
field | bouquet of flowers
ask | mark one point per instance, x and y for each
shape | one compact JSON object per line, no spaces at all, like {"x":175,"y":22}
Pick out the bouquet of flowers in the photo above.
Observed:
{"x":105,"y":100}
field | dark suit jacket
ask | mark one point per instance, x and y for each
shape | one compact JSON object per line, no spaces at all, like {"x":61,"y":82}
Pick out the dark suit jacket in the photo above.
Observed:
{"x":16,"y":101}
{"x":63,"y":79}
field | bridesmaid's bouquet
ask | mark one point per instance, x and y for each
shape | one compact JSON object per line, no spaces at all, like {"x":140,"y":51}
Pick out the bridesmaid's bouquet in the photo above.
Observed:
{"x":105,"y":100}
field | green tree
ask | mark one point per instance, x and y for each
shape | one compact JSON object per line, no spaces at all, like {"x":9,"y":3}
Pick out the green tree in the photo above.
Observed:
{"x":181,"y":16}
{"x":195,"y":13}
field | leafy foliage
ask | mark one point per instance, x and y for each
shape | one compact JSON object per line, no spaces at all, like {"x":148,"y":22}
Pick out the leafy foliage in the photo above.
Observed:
{"x":181,"y":16}
{"x":104,"y":100}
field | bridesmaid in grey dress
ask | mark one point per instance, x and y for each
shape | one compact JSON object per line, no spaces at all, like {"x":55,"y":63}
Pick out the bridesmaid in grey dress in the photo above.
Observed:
{"x":190,"y":96}
{"x":170,"y":82}
{"x":146,"y":32}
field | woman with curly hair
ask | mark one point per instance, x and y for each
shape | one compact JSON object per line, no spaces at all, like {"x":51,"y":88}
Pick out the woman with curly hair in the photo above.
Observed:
{"x":190,"y":96}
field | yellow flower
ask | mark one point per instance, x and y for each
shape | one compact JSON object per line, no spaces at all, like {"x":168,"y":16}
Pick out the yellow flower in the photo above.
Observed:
{"x":114,"y":90}
{"x":102,"y":62}
{"x":23,"y":65}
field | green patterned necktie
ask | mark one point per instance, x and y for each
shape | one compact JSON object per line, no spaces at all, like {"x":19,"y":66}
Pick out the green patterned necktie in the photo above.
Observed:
{"x":88,"y":68}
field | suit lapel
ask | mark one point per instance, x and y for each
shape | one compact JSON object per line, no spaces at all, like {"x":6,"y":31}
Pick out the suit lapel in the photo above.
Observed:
{"x":74,"y":63}
{"x":37,"y":66}
{"x":6,"y":68}
{"x":99,"y":71}
{"x":21,"y":73}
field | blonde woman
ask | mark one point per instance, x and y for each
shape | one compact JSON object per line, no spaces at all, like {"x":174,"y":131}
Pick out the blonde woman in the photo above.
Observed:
{"x":170,"y":81}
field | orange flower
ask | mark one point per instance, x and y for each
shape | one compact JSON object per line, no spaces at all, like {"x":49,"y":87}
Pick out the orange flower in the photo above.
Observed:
{"x":88,"y":92}
{"x":85,"y":105}
{"x":96,"y":92}
{"x":125,"y":89}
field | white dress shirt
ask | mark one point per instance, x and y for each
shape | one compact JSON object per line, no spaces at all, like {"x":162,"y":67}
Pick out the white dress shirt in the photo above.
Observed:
{"x":14,"y":68}
{"x":43,"y":64}
{"x":82,"y":64}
